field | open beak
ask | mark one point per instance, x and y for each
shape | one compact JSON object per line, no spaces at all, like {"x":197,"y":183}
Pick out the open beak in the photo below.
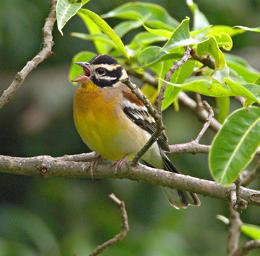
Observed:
{"x":86,"y":69}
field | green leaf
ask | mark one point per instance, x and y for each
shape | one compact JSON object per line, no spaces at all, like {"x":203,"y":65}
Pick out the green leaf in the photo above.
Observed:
{"x":65,"y":10}
{"x":255,"y":90}
{"x":76,"y":70}
{"x":234,"y":145}
{"x":144,"y":39}
{"x":242,"y":69}
{"x":159,"y":32}
{"x":94,"y":37}
{"x":153,"y":54}
{"x":225,"y":29}
{"x":170,"y":96}
{"x":153,"y":15}
{"x":106,"y":29}
{"x":251,"y":231}
{"x":213,"y":88}
{"x":224,"y":40}
{"x":249,"y":29}
{"x":181,"y":37}
{"x":199,"y":19}
{"x":179,"y":76}
{"x":204,"y":86}
{"x":248,"y":91}
{"x":257,"y":81}
{"x":223,"y":105}
{"x":210,"y":47}
{"x":124,"y":27}
{"x":94,"y":29}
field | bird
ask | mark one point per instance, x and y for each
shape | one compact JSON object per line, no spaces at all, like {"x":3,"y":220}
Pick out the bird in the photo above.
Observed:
{"x":114,"y":123}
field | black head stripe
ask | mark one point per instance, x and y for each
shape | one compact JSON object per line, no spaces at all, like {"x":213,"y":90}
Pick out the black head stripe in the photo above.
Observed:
{"x":103,"y":59}
{"x":109,"y":79}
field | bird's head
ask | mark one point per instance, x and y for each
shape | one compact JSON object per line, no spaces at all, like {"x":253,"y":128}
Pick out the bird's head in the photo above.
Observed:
{"x":103,"y":71}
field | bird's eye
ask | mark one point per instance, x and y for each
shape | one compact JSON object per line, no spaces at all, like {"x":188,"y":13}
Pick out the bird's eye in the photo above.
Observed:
{"x":101,"y":71}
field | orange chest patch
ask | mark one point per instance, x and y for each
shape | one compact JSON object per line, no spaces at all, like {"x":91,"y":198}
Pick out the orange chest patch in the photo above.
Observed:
{"x":93,"y":104}
{"x":96,"y":113}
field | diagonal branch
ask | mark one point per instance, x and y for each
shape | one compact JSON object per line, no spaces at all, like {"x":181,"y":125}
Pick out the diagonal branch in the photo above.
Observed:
{"x":176,"y":65}
{"x":201,"y":113}
{"x":153,"y":112}
{"x":37,"y":59}
{"x":207,"y":123}
{"x":247,"y":247}
{"x":187,"y":101}
{"x":156,"y":113}
{"x":124,"y":229}
{"x":48,"y":166}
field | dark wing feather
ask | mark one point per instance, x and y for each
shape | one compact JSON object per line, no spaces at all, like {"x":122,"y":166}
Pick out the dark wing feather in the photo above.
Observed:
{"x":138,"y":113}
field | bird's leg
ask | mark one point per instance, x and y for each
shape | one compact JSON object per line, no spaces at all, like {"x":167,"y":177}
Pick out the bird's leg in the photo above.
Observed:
{"x":93,"y":164}
{"x":117,"y":165}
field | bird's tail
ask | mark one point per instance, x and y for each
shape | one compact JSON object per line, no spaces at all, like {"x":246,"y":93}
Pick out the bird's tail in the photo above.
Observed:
{"x":178,"y":198}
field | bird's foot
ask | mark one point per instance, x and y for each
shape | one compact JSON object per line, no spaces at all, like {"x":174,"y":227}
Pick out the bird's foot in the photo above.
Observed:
{"x":93,"y":165}
{"x":119,"y":163}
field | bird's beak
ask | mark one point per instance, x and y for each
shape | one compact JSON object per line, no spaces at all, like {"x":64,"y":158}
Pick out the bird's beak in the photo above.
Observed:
{"x":86,"y":68}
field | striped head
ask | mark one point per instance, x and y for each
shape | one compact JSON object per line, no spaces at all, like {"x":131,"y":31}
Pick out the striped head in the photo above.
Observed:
{"x":103,"y":71}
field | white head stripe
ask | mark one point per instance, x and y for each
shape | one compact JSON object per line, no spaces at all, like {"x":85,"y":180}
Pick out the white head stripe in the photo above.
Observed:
{"x":107,"y":78}
{"x":109,"y":67}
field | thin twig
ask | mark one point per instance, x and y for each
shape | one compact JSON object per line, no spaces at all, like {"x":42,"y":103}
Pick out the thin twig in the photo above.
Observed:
{"x":157,"y":114}
{"x":207,"y":123}
{"x":247,"y":247}
{"x":32,"y":64}
{"x":124,"y":229}
{"x":249,"y":176}
{"x":206,"y":61}
{"x":184,"y":99}
{"x":237,"y":183}
{"x":189,"y":147}
{"x":153,"y":112}
{"x":169,"y":74}
{"x":240,"y":204}
{"x":235,"y":223}
{"x":202,"y":113}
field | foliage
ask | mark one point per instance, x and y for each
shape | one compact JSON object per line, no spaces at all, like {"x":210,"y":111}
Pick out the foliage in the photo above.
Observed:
{"x":211,"y":72}
{"x":235,"y":145}
{"x":78,"y":212}
{"x":252,"y":231}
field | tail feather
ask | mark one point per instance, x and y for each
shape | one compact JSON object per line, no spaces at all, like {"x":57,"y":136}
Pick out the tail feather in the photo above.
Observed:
{"x":178,"y":198}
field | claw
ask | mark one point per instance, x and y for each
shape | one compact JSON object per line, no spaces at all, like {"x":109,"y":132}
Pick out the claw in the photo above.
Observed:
{"x":119,"y":163}
{"x":93,"y":165}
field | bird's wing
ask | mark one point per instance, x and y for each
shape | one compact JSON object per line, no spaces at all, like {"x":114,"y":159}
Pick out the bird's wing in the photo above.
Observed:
{"x":138,"y":113}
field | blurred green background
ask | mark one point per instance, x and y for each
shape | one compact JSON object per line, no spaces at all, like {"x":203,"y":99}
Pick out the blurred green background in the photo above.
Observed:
{"x":59,"y":216}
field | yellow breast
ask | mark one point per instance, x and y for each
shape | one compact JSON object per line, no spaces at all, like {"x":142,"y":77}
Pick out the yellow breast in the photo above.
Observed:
{"x":97,"y":120}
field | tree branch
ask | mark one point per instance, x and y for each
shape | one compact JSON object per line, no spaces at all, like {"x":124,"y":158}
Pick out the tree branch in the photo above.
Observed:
{"x":247,"y":247}
{"x":124,"y":229}
{"x":207,"y":123}
{"x":157,"y":114}
{"x":201,"y":113}
{"x":234,"y":229}
{"x":185,"y":100}
{"x":249,"y":176}
{"x":32,"y":64}
{"x":48,"y":166}
{"x":153,"y":112}
{"x":176,"y":65}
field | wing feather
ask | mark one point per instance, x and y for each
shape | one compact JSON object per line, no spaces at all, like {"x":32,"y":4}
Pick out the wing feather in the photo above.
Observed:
{"x":138,"y":113}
